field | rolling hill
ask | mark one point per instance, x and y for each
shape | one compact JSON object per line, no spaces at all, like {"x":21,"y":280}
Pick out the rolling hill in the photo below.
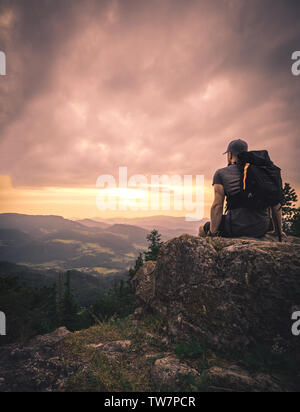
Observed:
{"x":52,"y":242}
{"x":87,"y":287}
{"x":168,"y":226}
{"x":99,"y":253}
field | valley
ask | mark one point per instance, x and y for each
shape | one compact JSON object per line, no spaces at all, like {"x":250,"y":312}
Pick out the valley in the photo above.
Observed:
{"x":36,"y":249}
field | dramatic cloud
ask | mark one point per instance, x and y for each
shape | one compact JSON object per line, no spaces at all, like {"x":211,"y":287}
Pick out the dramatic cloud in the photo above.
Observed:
{"x":160,"y":86}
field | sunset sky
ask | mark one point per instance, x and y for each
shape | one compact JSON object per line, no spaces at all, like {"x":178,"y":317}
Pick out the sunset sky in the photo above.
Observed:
{"x":157,"y":86}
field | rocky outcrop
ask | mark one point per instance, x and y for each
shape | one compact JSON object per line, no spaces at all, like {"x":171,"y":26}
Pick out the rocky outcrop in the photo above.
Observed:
{"x":145,"y":289}
{"x":37,"y":366}
{"x":216,"y":299}
{"x":228,"y":293}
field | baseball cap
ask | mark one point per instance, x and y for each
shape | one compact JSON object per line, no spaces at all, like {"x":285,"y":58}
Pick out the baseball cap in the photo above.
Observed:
{"x":237,"y":146}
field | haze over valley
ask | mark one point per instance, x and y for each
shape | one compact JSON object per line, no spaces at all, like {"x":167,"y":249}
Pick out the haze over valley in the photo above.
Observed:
{"x":99,"y":252}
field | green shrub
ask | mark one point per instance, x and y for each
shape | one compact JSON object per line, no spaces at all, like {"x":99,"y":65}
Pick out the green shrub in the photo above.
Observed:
{"x":192,"y":350}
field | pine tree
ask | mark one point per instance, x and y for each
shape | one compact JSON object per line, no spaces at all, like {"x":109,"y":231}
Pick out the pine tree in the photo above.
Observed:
{"x":60,"y":298}
{"x":69,"y":305}
{"x":294,"y":229}
{"x":138,"y":264}
{"x":290,"y":214}
{"x":154,"y":239}
{"x":290,"y":199}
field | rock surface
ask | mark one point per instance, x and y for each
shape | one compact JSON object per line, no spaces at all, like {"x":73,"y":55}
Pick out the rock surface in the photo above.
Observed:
{"x":228,"y":293}
{"x":36,"y":366}
{"x":235,"y":379}
{"x":144,"y":289}
{"x":114,"y":348}
{"x":169,"y":370}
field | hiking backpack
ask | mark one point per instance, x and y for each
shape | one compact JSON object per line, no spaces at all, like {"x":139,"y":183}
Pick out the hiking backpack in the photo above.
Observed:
{"x":261,"y":183}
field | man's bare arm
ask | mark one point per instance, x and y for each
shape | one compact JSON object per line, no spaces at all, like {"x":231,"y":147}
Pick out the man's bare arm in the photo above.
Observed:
{"x":217,"y":208}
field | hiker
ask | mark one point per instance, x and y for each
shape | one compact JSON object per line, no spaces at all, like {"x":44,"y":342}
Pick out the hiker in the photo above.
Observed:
{"x":252,"y":187}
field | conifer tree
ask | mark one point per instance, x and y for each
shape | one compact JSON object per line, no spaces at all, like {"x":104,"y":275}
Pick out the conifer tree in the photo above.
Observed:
{"x":154,"y":239}
{"x":69,"y":305}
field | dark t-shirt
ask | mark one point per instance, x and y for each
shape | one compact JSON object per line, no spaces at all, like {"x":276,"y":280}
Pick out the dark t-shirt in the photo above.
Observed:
{"x":240,"y":222}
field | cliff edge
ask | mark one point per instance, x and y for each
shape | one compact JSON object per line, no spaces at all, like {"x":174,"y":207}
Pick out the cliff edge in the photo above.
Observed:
{"x":230,"y":294}
{"x":215,"y":316}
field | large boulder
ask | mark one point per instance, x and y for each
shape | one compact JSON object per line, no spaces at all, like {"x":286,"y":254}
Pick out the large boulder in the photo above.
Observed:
{"x":228,"y":293}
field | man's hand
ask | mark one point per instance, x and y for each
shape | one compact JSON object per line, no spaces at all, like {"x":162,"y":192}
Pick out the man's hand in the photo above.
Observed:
{"x":201,"y":231}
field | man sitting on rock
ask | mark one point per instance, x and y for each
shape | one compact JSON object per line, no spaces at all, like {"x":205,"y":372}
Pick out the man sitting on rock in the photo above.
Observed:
{"x":238,"y":221}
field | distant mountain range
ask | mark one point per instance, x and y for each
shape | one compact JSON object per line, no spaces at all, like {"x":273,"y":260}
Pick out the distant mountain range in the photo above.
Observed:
{"x":52,"y":242}
{"x":168,"y":226}
{"x":99,"y":252}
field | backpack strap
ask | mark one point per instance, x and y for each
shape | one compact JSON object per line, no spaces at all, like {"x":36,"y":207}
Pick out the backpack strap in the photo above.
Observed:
{"x":246,"y":167}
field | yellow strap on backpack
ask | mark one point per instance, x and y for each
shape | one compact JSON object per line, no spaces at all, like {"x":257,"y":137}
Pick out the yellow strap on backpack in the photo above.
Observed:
{"x":245,"y":174}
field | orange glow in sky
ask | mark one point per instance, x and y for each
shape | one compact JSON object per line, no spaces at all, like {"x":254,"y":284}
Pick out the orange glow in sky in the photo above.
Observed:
{"x":160,"y":87}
